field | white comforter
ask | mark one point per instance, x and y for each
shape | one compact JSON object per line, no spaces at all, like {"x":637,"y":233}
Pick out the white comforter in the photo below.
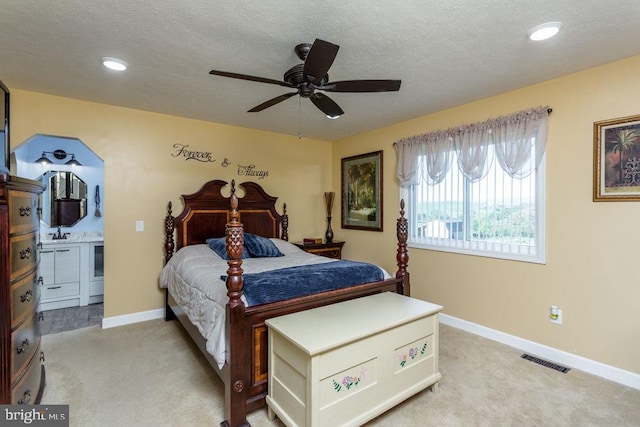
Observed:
{"x":193,"y":279}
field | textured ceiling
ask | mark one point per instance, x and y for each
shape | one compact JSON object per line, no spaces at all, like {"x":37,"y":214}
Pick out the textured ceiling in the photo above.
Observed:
{"x":445,"y":52}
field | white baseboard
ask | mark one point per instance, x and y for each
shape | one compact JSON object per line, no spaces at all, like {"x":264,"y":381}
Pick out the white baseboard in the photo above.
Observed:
{"x":127,"y":319}
{"x":611,"y":373}
{"x":608,"y":372}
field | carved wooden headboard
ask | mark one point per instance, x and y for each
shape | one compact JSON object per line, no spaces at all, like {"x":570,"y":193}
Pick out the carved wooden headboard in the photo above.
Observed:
{"x":206,"y":214}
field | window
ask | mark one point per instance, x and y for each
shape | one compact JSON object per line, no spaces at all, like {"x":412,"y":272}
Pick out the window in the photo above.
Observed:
{"x":478,"y":189}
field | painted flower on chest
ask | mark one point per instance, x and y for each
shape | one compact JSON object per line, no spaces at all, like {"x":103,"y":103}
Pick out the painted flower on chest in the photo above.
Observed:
{"x":347,"y":382}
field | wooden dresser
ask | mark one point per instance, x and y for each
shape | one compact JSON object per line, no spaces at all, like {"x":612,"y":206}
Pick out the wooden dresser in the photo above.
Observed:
{"x":22,"y":375}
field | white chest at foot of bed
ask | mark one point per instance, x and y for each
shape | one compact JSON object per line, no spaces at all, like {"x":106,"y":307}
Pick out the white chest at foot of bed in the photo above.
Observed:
{"x":346,"y":363}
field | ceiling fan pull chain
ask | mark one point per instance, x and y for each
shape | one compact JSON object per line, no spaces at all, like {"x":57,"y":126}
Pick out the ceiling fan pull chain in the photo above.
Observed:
{"x":299,"y":118}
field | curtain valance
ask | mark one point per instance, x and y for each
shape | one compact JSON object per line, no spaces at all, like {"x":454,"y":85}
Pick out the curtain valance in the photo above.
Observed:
{"x":511,"y":140}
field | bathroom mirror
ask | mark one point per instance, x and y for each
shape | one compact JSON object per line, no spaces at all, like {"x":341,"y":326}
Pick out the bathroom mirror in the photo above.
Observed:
{"x":64,"y":200}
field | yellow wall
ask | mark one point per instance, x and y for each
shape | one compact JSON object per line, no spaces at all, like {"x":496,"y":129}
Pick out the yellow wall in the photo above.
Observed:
{"x":592,"y":248}
{"x":141,"y":177}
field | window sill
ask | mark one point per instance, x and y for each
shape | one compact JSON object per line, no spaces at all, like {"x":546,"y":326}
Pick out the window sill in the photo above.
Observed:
{"x":533,"y":259}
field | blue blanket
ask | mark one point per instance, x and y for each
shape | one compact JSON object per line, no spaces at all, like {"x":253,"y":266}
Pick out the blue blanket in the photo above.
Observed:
{"x":291,"y":282}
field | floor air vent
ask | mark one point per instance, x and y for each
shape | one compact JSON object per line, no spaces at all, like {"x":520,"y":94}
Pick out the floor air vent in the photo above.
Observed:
{"x":551,"y":365}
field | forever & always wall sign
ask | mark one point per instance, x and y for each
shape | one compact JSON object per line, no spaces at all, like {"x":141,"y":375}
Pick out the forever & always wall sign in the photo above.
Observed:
{"x":183,"y":151}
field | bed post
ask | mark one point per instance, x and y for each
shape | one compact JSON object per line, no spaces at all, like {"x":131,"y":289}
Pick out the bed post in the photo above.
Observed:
{"x":168,"y":253}
{"x":402,"y":257}
{"x":238,"y":341}
{"x":168,"y":235}
{"x":284,"y":235}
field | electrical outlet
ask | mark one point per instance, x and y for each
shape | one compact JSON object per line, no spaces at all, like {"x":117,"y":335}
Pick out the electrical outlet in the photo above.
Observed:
{"x":555,"y":315}
{"x":139,"y":225}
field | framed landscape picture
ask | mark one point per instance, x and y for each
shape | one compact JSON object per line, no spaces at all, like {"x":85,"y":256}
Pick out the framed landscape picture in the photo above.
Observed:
{"x":362,"y":192}
{"x":616,"y":159}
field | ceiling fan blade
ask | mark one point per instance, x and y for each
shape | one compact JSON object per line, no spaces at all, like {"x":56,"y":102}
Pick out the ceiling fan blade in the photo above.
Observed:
{"x":272,"y":102}
{"x":250,"y":78}
{"x":362,"y":86}
{"x":326,"y":105}
{"x":319,"y":60}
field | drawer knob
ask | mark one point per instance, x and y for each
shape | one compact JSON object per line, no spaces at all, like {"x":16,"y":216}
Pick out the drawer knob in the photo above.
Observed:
{"x":40,"y":281}
{"x":26,"y":397}
{"x":25,"y":211}
{"x":25,"y":254}
{"x":238,"y":386}
{"x":23,"y":347}
{"x":27,"y":296}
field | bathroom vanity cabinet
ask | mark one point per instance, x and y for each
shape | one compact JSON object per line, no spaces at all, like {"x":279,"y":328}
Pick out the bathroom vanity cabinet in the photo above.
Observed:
{"x":60,"y":272}
{"x":72,"y":273}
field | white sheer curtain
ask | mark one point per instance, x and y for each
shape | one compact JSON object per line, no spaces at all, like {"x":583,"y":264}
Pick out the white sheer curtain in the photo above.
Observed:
{"x":513,"y":138}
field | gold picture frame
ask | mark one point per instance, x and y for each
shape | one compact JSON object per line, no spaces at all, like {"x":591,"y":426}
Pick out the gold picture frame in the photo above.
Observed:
{"x":616,"y":159}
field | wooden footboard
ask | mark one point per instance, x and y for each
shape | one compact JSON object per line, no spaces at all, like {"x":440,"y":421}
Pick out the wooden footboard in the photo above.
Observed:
{"x":246,"y":336}
{"x":245,"y":371}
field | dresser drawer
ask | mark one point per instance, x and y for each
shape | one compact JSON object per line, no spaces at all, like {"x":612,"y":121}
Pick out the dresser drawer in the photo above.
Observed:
{"x":24,"y":296}
{"x":23,"y":252}
{"x":59,"y":291}
{"x":327,"y":252}
{"x":25,"y":392}
{"x":23,"y":212}
{"x":327,"y":249}
{"x":24,"y":342}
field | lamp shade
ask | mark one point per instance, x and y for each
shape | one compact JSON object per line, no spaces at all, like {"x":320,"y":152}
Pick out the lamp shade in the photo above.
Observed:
{"x":44,"y":159}
{"x":73,"y":161}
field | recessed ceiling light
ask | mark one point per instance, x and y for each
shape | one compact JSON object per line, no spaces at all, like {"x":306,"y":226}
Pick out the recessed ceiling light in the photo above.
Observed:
{"x":114,"y":63}
{"x":544,"y":31}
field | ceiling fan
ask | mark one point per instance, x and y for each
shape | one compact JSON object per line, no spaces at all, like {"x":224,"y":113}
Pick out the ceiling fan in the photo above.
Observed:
{"x":311,"y":76}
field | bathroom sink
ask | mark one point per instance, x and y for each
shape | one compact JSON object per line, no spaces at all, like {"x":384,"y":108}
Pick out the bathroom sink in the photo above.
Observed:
{"x":84,"y":236}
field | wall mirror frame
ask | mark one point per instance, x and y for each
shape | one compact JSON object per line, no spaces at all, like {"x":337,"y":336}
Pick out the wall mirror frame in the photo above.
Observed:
{"x":66,"y":196}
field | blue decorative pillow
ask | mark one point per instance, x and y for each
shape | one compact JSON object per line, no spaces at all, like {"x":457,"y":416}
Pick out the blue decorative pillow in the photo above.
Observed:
{"x":260,"y":246}
{"x":219,"y":246}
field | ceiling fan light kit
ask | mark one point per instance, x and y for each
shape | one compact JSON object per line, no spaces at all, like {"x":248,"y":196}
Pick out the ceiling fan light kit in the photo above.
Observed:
{"x":312,"y":76}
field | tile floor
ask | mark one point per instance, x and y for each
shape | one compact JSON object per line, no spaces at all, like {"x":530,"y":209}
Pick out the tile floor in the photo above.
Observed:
{"x":66,"y":319}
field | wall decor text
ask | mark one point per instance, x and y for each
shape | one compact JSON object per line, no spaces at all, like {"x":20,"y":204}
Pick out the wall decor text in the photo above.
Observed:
{"x":182,"y":150}
{"x":250,"y":170}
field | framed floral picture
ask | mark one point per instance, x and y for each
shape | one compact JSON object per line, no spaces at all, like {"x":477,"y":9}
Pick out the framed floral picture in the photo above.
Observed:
{"x":616,"y":159}
{"x":362,"y":192}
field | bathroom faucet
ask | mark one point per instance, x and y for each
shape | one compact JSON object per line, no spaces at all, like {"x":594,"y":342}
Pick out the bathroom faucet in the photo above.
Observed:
{"x":59,"y":235}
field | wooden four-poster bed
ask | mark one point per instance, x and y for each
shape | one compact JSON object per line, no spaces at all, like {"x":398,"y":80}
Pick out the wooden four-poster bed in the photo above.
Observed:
{"x":208,"y":214}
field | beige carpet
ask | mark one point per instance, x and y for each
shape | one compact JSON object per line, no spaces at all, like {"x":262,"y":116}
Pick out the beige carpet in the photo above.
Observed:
{"x":150,"y":374}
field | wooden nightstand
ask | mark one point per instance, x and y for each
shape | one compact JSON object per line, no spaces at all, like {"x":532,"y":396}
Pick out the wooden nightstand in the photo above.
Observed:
{"x":329,"y":250}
